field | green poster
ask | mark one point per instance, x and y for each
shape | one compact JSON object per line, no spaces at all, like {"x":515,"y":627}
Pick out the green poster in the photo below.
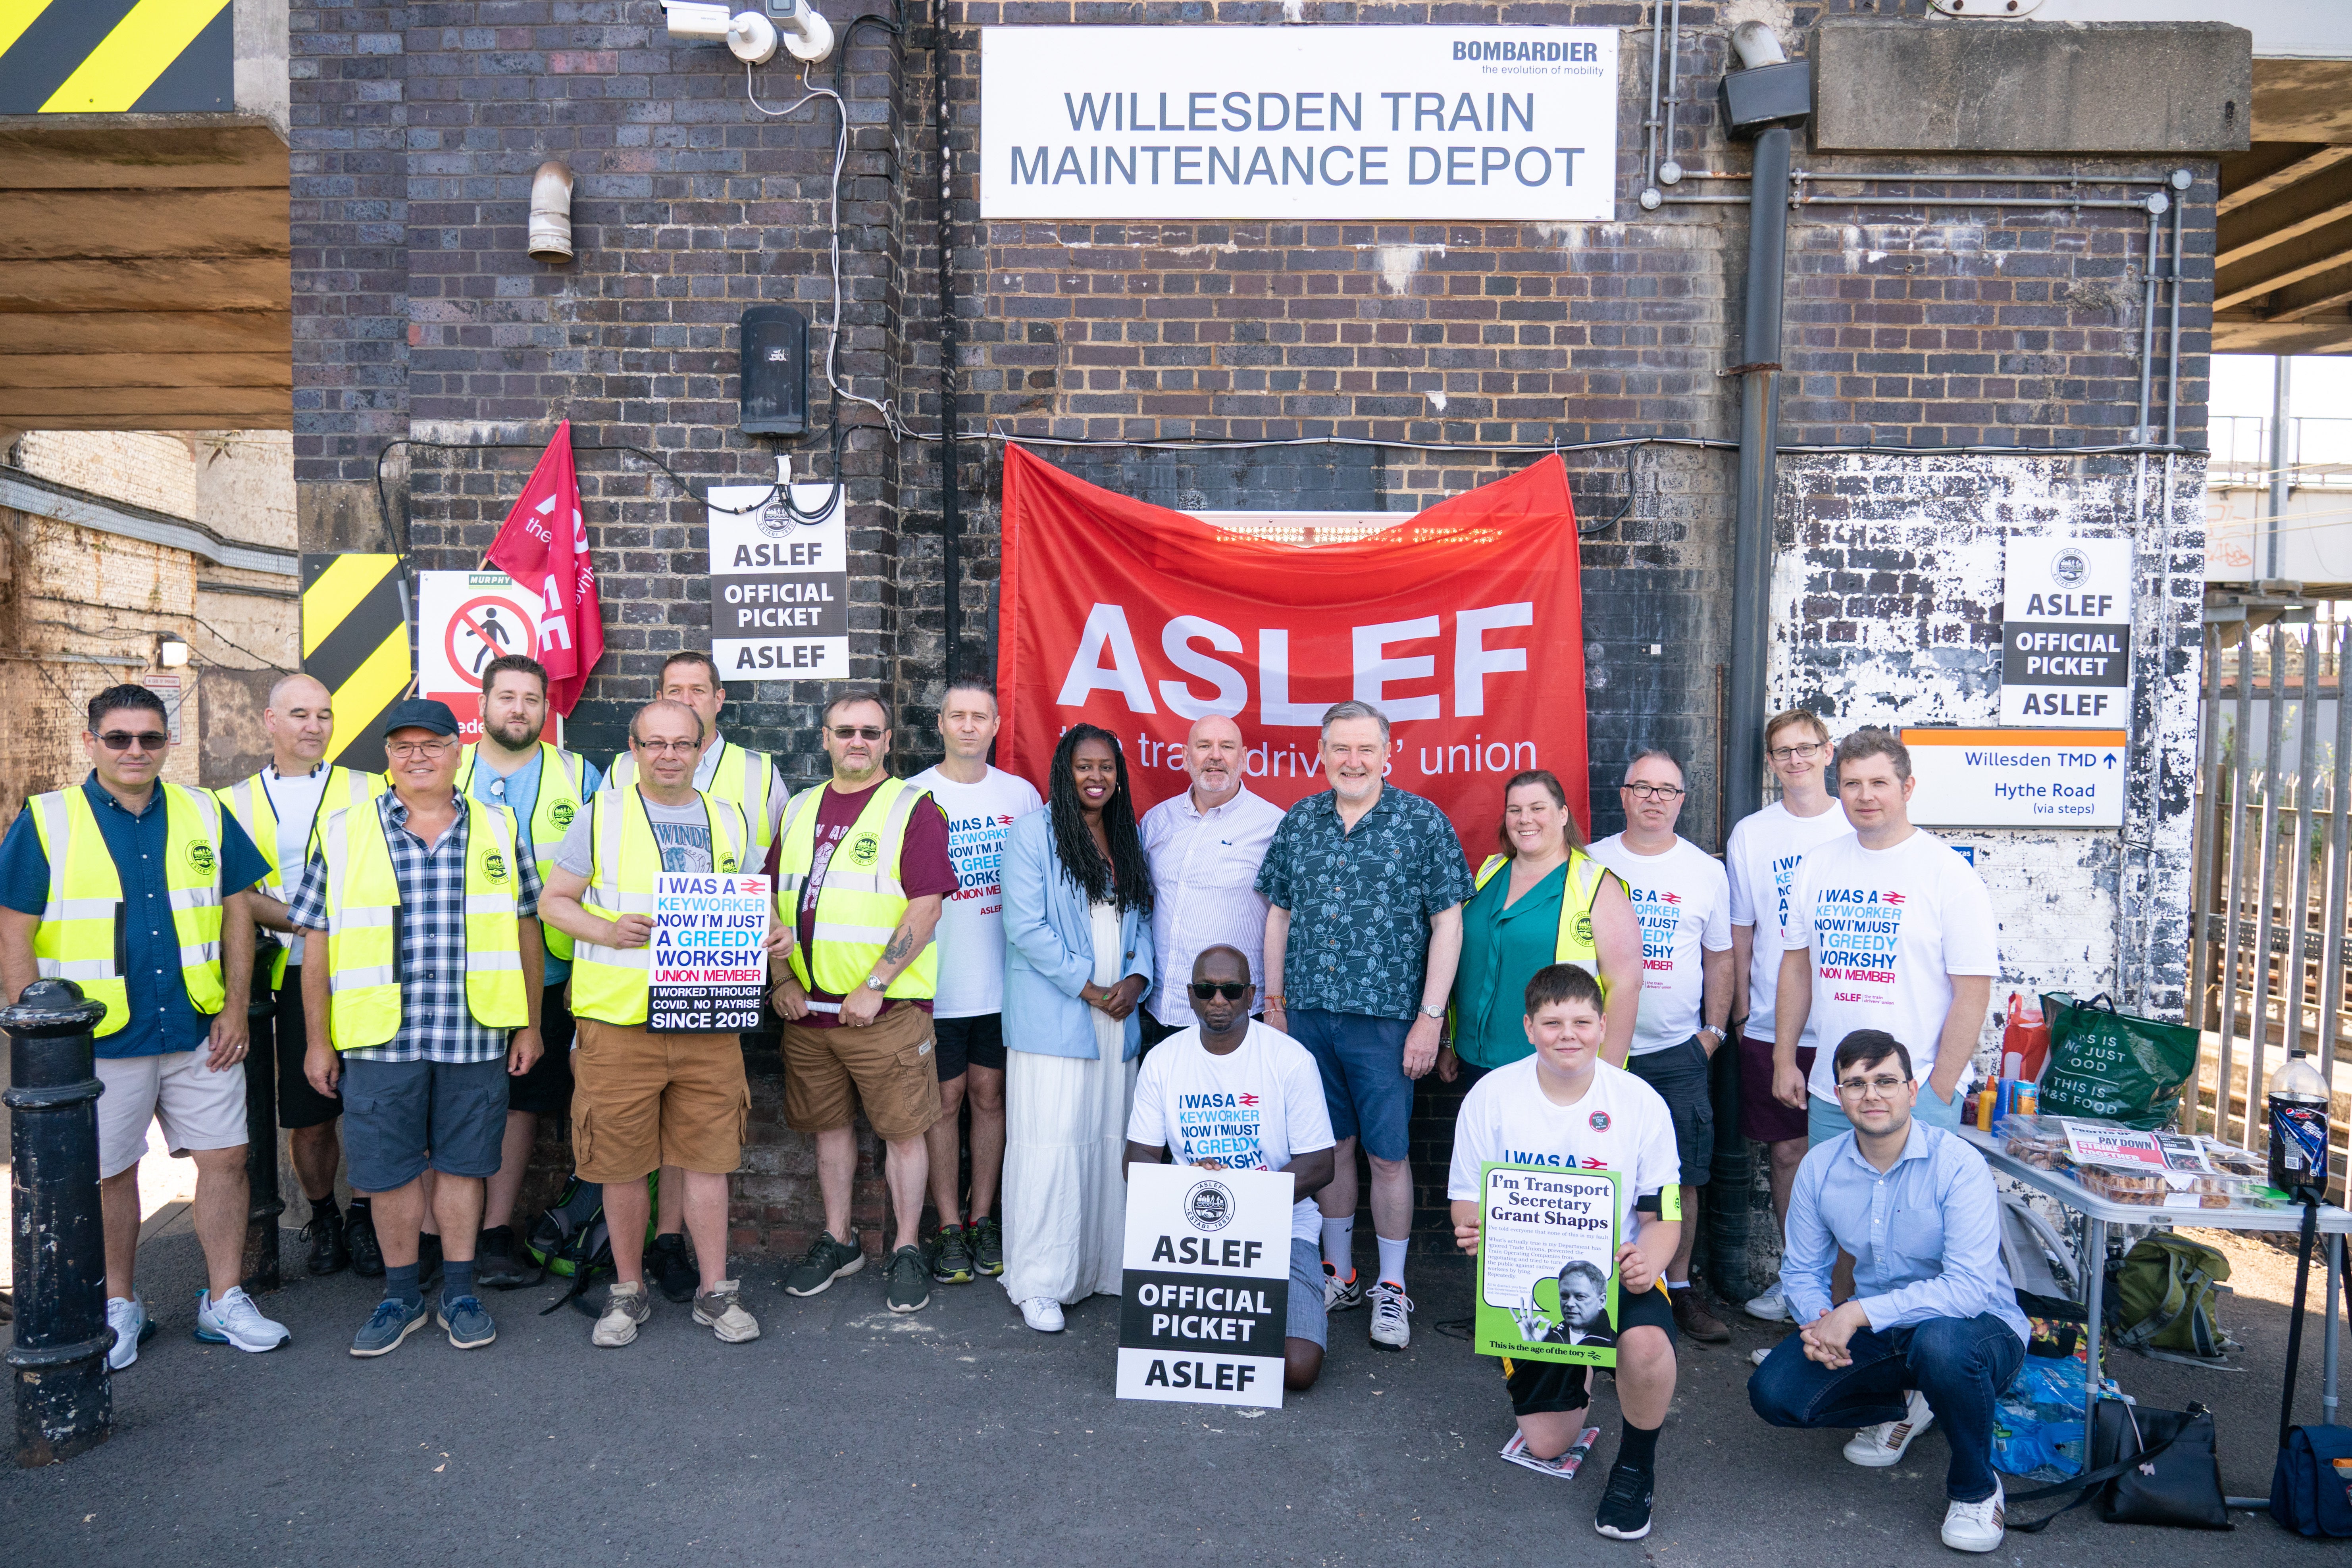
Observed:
{"x":1548,"y":1264}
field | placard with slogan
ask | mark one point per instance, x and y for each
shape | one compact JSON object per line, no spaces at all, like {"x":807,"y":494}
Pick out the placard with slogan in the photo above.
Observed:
{"x":707,"y":967}
{"x":1418,"y":123}
{"x":778,"y":584}
{"x":2066,"y":633}
{"x":1206,"y":1288}
{"x":1548,"y":1264}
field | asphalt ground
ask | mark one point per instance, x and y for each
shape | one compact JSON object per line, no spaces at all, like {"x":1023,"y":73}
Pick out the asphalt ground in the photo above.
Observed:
{"x":849,"y":1434}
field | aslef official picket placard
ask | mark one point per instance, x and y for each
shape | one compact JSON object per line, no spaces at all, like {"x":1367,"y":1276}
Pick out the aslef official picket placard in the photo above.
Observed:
{"x":778,"y":584}
{"x":2066,"y":633}
{"x":1205,"y":1286}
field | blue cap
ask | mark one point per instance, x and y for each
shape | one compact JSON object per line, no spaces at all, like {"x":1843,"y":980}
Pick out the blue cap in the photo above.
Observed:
{"x":421,"y":713}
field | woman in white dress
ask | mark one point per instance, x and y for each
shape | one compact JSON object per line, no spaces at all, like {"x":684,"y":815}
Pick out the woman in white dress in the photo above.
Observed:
{"x":1077,"y":930}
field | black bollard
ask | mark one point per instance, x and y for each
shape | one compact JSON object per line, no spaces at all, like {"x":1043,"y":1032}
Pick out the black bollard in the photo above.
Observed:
{"x":265,"y":1202}
{"x":64,"y":1403}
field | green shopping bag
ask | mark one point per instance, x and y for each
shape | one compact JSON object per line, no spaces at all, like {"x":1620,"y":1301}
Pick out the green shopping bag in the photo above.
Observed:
{"x":2114,"y":1065}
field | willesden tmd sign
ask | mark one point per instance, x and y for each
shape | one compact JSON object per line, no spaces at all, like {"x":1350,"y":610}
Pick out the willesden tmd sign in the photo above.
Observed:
{"x":1425,"y":122}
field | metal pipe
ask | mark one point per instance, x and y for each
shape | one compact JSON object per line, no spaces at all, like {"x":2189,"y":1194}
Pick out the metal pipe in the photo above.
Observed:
{"x":2043,"y":202}
{"x":951,"y":498}
{"x":2266,"y":868}
{"x":2339,"y":869}
{"x":1650,"y":124}
{"x":1990,"y":179}
{"x":1759,"y":433}
{"x":2280,"y":375}
{"x":2140,"y":430}
{"x":1668,"y":170}
{"x":65,"y":1400}
{"x":2172,"y":356}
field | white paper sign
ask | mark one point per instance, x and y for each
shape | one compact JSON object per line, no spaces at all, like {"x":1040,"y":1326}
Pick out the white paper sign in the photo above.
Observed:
{"x":778,"y":585}
{"x":708,"y":969}
{"x":1423,"y":123}
{"x":464,"y":620}
{"x":2066,"y":633}
{"x":2017,"y":778}
{"x":1205,"y":1286}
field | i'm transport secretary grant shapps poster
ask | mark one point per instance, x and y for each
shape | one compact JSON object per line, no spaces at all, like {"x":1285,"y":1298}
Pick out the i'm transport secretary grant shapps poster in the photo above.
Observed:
{"x":707,"y":963}
{"x":1548,"y":1264}
{"x":1463,"y":623}
{"x":1204,"y":1290}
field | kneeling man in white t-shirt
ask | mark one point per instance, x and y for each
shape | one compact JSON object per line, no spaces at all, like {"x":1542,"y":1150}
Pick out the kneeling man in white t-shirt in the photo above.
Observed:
{"x":1565,"y":1103}
{"x":1231,"y":1094}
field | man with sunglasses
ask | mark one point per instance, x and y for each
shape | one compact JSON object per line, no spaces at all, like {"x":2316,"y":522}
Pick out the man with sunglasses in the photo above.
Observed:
{"x":138,"y":890}
{"x":1932,"y":1332}
{"x":1230,"y":1094}
{"x":862,"y":874}
{"x":641,"y":1100}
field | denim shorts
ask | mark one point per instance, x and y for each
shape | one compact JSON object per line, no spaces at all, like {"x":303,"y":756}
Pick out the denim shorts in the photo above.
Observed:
{"x":1824,"y":1121}
{"x":399,"y":1117}
{"x":1306,"y":1320}
{"x":1362,"y":1061}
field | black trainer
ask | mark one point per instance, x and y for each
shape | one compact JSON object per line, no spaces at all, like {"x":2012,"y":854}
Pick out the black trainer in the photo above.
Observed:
{"x":1624,"y":1511}
{"x":329,"y":1253}
{"x":359,"y":1235}
{"x":667,"y":1270}
{"x":951,"y":1256}
{"x":825,"y":1261}
{"x":498,"y":1265}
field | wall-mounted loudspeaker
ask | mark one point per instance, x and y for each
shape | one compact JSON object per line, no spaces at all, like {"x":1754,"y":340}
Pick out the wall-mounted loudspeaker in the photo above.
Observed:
{"x":775,"y":371}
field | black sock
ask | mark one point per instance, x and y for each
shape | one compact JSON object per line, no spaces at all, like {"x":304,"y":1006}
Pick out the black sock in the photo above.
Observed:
{"x":359,"y":1207}
{"x":324,"y":1208}
{"x":1637,"y":1448}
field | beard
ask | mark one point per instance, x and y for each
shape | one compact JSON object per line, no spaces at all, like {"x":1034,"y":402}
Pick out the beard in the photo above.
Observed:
{"x":517,"y":734}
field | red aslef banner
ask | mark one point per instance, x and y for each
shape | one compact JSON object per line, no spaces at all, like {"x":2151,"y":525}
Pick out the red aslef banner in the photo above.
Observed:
{"x":1463,"y":623}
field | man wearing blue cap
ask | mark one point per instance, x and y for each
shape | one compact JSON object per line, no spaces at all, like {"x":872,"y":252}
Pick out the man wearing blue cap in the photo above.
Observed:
{"x":427,"y":1003}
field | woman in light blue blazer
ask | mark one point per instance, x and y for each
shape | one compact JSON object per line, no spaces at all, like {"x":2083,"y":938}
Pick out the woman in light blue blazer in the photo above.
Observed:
{"x":1078,"y":959}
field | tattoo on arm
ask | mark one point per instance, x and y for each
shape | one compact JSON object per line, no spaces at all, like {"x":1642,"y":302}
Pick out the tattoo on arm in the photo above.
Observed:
{"x":901,"y":948}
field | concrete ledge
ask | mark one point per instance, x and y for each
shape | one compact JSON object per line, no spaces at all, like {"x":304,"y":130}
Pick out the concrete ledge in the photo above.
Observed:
{"x":45,"y":498}
{"x":2173,"y":88}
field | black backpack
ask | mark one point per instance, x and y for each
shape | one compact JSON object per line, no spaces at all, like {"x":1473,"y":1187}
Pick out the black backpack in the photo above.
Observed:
{"x":572,"y":1239}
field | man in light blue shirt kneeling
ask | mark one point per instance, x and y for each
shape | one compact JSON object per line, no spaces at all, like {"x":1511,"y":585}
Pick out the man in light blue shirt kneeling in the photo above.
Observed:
{"x":1932,"y":1333}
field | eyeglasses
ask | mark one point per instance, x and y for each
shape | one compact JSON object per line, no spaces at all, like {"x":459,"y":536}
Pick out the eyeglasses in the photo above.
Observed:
{"x":1804,"y":753}
{"x":1231,"y":990}
{"x":688,"y":746}
{"x":1883,"y":1086}
{"x":146,"y":741}
{"x":1656,"y":791}
{"x":401,"y":751}
{"x":857,"y":732}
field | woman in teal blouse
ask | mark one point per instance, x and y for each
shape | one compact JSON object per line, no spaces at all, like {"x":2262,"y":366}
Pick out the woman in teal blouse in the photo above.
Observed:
{"x":1543,"y":900}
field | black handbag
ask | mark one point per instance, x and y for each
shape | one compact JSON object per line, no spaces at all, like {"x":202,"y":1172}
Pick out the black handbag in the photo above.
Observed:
{"x":2148,"y":1467}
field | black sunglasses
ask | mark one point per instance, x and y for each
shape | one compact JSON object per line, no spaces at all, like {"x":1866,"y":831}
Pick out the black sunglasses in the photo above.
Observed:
{"x":146,"y":741}
{"x":1231,"y":990}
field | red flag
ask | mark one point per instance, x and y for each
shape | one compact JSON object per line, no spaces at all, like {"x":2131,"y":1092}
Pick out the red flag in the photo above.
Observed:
{"x":543,"y":546}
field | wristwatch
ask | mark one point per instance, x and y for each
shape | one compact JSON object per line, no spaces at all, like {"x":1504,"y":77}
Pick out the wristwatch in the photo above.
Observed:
{"x":1429,"y":1011}
{"x":876,"y":983}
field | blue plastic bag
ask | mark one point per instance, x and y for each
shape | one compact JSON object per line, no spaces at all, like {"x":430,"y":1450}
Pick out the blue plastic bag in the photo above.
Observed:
{"x":2037,"y":1430}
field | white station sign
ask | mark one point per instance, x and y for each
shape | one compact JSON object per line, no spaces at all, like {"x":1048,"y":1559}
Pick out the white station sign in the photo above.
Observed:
{"x":2066,"y":633}
{"x":2017,"y":778}
{"x":1409,"y":123}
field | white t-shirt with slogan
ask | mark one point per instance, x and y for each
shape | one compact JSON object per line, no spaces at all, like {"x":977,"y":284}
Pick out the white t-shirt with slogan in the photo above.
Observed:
{"x":1256,"y":1108}
{"x":972,"y":924}
{"x":1683,"y":904}
{"x":1761,"y":860}
{"x":1620,"y":1125}
{"x":1889,"y":928}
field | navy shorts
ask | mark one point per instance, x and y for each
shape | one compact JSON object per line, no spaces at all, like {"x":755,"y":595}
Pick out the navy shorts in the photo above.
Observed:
{"x":1551,"y":1387}
{"x":546,"y":1088}
{"x":399,"y":1116}
{"x":1362,"y":1061}
{"x":974,"y":1042}
{"x":1681,"y":1075}
{"x":298,"y":1105}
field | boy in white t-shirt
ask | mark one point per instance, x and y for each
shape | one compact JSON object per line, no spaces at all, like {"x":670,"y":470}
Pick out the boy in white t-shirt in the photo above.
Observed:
{"x":1232,"y":1094}
{"x":1565,"y":1105}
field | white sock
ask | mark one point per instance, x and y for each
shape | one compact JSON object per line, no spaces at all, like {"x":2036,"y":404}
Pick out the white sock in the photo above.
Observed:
{"x":1392,"y":1260}
{"x":1339,"y":1245}
{"x":1677,"y":1284}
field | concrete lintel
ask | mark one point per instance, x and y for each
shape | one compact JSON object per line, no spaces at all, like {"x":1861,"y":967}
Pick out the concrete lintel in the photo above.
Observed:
{"x":2164,"y":88}
{"x":113,"y":151}
{"x":41,"y":498}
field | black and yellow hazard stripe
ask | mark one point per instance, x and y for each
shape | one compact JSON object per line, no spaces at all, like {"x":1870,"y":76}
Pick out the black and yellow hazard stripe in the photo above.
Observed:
{"x":355,"y":644}
{"x":116,"y":56}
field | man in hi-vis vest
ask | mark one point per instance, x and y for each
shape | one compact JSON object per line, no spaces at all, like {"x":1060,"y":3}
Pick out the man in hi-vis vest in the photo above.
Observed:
{"x":421,"y":986}
{"x":280,"y":809}
{"x":861,"y":876}
{"x":136,"y":891}
{"x":646,"y":1100}
{"x":548,"y":789}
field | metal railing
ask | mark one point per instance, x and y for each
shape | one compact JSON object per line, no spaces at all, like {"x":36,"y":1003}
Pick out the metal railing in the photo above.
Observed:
{"x":2319,"y":451}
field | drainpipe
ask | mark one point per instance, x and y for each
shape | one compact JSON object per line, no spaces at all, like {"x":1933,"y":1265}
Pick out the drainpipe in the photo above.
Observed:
{"x":950,"y":501}
{"x":2281,"y":454}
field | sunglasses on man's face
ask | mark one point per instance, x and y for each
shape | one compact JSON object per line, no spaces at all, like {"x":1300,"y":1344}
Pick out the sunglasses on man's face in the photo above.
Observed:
{"x":856,"y":733}
{"x":1231,"y":990}
{"x":146,"y":741}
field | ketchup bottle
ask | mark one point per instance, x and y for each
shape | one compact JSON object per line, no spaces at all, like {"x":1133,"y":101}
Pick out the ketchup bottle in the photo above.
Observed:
{"x":2025,"y":1040}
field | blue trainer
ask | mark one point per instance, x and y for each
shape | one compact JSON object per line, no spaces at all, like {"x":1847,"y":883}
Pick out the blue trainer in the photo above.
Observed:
{"x":469,"y":1326}
{"x":391,"y":1323}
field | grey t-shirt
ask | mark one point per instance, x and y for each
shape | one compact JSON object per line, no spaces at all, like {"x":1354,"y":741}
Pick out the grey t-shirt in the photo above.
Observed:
{"x":682,"y":831}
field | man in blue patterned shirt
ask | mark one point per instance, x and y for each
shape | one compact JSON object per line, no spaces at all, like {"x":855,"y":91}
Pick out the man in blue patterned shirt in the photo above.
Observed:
{"x":1365,"y":883}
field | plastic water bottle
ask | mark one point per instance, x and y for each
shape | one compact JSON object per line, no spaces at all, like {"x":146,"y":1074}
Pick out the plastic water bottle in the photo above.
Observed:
{"x":2298,"y":1125}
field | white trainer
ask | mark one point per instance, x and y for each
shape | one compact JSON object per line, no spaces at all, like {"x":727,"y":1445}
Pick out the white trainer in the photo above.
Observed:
{"x":1976,"y":1526}
{"x":1876,"y":1447}
{"x":234,"y":1320}
{"x":1041,"y":1314}
{"x":1391,"y":1330}
{"x":131,"y":1327}
{"x":1771,"y":1307}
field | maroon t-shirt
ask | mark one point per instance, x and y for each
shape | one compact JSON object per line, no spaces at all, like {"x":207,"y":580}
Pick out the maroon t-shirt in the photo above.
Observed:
{"x":924,"y":868}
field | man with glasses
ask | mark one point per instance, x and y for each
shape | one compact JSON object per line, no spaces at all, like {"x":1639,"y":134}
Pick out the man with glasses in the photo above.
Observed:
{"x":1932,"y":1332}
{"x":1682,"y":903}
{"x":1888,"y":928}
{"x":425,"y":910}
{"x":1227,"y":1094}
{"x":139,"y":891}
{"x":1205,"y":847}
{"x":862,"y":873}
{"x":646,"y":1101}
{"x":1761,"y":859}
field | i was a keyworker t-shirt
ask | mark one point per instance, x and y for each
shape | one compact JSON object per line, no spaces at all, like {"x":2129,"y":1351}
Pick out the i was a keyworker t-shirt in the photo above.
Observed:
{"x":1256,"y":1108}
{"x":1620,"y":1125}
{"x":1683,"y":904}
{"x":681,"y":832}
{"x":971,"y":922}
{"x":1889,"y":928}
{"x":1761,"y":861}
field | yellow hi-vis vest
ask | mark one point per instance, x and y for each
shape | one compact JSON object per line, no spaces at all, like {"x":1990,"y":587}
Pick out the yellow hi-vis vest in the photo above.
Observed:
{"x":861,"y":900}
{"x":1586,"y":877}
{"x":80,"y":935}
{"x":363,"y":931}
{"x":249,"y":802}
{"x":611,"y":985}
{"x":740,"y":778}
{"x":560,"y":772}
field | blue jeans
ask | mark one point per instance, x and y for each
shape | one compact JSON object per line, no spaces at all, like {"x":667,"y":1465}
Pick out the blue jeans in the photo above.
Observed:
{"x":1961,"y":1364}
{"x":1824,"y":1121}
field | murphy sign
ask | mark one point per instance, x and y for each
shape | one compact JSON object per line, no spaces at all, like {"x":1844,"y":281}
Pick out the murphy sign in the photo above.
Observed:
{"x":1419,"y":122}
